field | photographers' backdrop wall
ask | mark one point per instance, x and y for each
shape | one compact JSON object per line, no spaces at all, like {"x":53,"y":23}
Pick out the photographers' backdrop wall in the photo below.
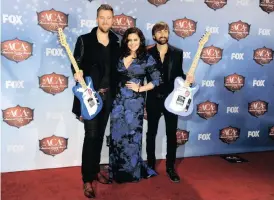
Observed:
{"x":234,"y":108}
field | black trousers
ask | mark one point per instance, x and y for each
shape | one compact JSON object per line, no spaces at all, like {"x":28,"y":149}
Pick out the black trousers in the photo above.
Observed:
{"x":94,"y":137}
{"x":155,"y":107}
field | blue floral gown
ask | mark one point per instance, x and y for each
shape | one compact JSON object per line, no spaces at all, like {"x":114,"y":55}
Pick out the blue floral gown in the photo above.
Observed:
{"x":126,"y":123}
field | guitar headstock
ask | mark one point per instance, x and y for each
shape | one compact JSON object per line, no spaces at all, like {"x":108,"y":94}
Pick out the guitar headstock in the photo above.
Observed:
{"x":204,"y":38}
{"x":62,"y":37}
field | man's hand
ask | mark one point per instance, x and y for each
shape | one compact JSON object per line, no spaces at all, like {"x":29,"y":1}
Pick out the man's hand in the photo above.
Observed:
{"x":103,"y":90}
{"x":78,"y":76}
{"x":190,"y":78}
{"x":81,"y":118}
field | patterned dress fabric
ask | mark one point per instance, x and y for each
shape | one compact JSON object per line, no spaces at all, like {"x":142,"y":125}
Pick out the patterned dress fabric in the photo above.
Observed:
{"x":126,"y":123}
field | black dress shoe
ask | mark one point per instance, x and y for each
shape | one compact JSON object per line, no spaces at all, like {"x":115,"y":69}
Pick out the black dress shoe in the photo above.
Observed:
{"x":89,"y":191}
{"x":103,"y":179}
{"x":173,"y":176}
{"x":151,"y":166}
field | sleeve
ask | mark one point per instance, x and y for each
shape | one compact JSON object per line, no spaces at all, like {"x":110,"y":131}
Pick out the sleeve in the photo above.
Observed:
{"x":78,"y":53}
{"x":180,"y":67}
{"x":153,"y":72}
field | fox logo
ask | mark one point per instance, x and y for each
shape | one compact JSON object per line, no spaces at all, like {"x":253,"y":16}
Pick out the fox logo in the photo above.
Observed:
{"x":12,"y":19}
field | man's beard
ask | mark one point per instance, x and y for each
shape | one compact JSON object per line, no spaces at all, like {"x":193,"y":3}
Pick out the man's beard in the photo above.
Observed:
{"x":162,"y":42}
{"x":103,"y":30}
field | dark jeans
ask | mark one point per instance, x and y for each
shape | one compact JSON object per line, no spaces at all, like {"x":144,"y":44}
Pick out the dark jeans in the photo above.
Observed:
{"x":94,"y":137}
{"x":155,"y":107}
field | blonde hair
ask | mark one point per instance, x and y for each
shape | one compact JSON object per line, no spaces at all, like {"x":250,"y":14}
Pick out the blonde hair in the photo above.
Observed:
{"x":104,"y":7}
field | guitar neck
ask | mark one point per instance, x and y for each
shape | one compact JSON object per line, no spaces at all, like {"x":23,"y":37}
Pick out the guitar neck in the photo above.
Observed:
{"x":194,"y":64}
{"x":75,"y":66}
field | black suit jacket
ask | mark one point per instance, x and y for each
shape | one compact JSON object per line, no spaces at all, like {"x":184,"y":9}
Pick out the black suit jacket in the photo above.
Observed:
{"x":174,"y":69}
{"x":89,"y":58}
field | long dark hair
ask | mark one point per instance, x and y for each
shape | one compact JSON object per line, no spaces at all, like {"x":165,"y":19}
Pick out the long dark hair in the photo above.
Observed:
{"x":141,"y":51}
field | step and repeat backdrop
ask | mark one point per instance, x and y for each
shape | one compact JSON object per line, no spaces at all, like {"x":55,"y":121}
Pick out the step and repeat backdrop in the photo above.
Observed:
{"x":234,"y":108}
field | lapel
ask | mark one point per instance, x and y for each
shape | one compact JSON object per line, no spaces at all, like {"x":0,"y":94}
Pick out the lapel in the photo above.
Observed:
{"x":113,"y":43}
{"x":170,"y":62}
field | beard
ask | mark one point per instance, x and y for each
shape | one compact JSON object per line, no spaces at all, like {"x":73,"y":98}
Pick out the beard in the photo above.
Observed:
{"x":162,"y":40}
{"x":104,"y":30}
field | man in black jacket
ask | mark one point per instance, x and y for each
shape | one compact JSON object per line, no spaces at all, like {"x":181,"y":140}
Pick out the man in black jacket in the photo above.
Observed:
{"x":169,"y":60}
{"x":96,"y":54}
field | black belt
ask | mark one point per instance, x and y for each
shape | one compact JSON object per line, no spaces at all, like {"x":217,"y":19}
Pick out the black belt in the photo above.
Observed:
{"x":102,"y":93}
{"x":160,"y":96}
{"x":103,"y":90}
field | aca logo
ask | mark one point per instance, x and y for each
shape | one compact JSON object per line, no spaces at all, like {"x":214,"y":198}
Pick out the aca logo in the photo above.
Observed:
{"x":184,"y":27}
{"x":211,"y":55}
{"x":157,"y":2}
{"x":51,"y":20}
{"x":271,"y":132}
{"x":53,"y":83}
{"x":122,"y":23}
{"x":234,"y":82}
{"x":53,"y":145}
{"x":182,"y":137}
{"x":207,"y":109}
{"x":16,"y":50}
{"x":215,"y":4}
{"x":257,"y":108}
{"x":18,"y":116}
{"x":263,"y":56}
{"x":239,"y":30}
{"x":229,"y":134}
{"x":267,"y":5}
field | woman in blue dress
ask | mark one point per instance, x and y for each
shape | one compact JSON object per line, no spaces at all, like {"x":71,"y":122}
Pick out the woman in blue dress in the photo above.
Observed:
{"x":126,"y":119}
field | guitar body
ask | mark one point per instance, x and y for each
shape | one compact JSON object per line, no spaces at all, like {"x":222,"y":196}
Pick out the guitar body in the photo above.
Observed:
{"x":91,"y":102}
{"x":180,"y":100}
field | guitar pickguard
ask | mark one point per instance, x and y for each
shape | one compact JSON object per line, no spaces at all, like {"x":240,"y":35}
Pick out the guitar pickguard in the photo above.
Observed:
{"x":90,"y":101}
{"x":182,"y":97}
{"x":180,"y":100}
{"x":184,"y":102}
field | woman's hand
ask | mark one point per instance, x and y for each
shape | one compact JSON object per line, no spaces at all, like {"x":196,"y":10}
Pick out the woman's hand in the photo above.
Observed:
{"x":133,"y":86}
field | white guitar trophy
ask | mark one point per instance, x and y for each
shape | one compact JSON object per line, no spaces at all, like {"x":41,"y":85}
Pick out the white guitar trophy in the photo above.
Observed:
{"x":180,"y":101}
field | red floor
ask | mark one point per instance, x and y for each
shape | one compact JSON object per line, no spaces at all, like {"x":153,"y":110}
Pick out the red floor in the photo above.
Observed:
{"x":202,"y":178}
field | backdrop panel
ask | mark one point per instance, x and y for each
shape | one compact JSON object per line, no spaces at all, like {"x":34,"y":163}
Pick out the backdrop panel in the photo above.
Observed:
{"x":234,"y":108}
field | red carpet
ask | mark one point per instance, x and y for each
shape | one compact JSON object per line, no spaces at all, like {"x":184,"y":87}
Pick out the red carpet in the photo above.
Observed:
{"x":202,"y":178}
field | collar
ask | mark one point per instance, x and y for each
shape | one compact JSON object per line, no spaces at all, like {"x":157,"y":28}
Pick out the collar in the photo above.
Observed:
{"x":155,"y":51}
{"x":112,"y":36}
